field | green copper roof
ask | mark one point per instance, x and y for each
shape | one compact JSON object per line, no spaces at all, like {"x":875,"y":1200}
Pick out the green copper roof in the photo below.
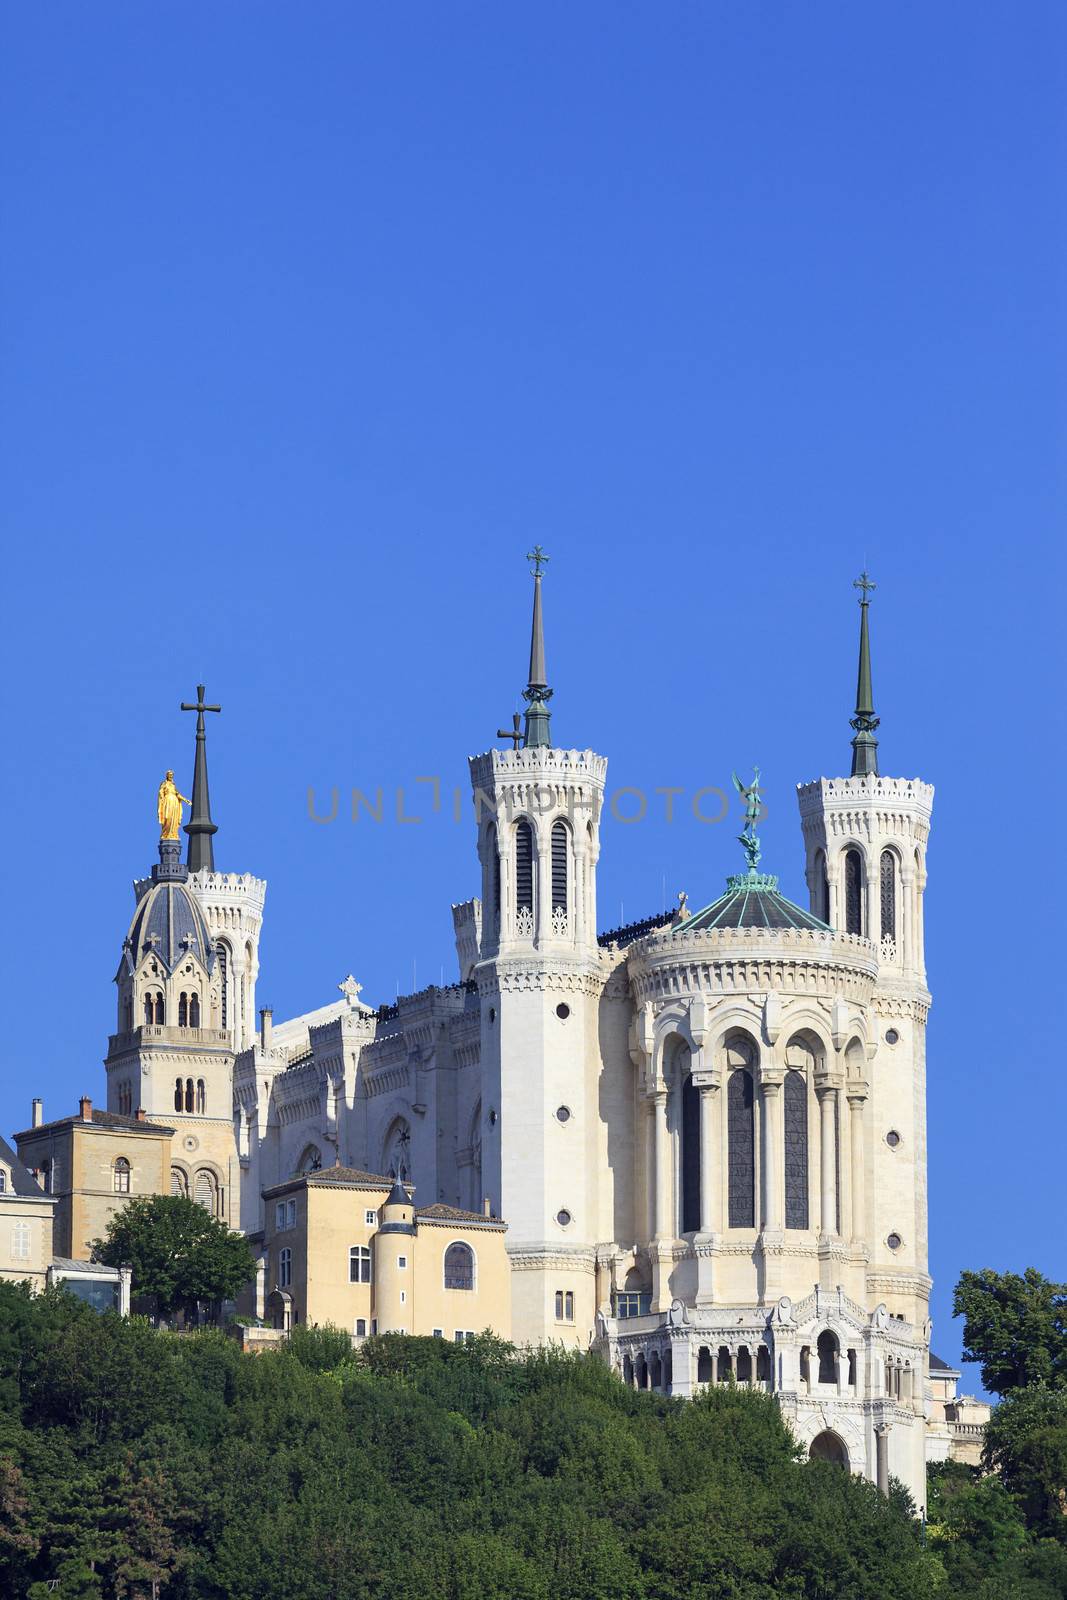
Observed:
{"x":752,"y":900}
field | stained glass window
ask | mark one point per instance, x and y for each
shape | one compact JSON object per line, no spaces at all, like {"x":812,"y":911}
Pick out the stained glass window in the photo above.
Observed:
{"x":741,"y":1135}
{"x":796,"y":1150}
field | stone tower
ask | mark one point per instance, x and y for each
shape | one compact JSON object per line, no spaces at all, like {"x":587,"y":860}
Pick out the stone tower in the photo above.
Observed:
{"x":538,"y":975}
{"x":865,"y":839}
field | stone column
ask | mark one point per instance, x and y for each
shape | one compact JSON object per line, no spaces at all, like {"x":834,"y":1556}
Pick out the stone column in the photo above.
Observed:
{"x":710,"y":1150}
{"x":578,"y":930}
{"x":833,"y":895}
{"x":906,"y":941}
{"x":856,"y":1098}
{"x":828,"y":1159}
{"x":663,"y":1228}
{"x":771,"y":1154}
{"x":650,"y":1166}
{"x":881,"y":1446}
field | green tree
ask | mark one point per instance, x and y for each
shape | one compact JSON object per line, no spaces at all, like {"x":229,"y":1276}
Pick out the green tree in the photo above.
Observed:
{"x":1026,"y":1443}
{"x":179,"y":1253}
{"x":1015,"y":1326}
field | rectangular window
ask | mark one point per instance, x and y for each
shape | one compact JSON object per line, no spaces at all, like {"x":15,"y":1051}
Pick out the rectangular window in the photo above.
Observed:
{"x":359,"y":1264}
{"x":464,"y":1335}
{"x":20,"y":1241}
{"x":438,"y":1333}
{"x":564,"y":1305}
{"x":361,"y":1327}
{"x":403,"y":1297}
{"x":559,"y":1305}
{"x":401,"y":1262}
{"x":279,"y":1215}
{"x":285,"y":1268}
{"x":374,"y":1324}
{"x":290,"y":1213}
{"x":370,"y":1218}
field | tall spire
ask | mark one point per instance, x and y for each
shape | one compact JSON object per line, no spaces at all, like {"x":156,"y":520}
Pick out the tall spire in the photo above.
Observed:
{"x":200,"y":828}
{"x":537,"y":694}
{"x":864,"y":745}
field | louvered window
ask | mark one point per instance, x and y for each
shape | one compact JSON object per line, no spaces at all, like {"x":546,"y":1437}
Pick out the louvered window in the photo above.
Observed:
{"x":690,"y":1155}
{"x":222,"y":954}
{"x":853,"y":892}
{"x":559,"y":867}
{"x":523,"y":866}
{"x":889,"y":894}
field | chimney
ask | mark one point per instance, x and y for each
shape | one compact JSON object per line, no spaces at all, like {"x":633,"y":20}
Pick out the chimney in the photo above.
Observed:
{"x":37,"y":1113}
{"x":487,"y":1207}
{"x":86,"y":1108}
{"x":266,"y":1026}
{"x":141,"y":1114}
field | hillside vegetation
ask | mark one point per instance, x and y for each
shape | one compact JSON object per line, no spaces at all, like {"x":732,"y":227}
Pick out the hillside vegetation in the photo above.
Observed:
{"x":137,"y":1463}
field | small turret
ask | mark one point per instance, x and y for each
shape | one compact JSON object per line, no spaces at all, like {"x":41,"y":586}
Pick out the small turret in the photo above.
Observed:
{"x":394,"y":1262}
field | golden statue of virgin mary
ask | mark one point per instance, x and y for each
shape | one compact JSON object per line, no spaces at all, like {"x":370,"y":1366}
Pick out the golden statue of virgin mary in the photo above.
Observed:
{"x":169,"y":808}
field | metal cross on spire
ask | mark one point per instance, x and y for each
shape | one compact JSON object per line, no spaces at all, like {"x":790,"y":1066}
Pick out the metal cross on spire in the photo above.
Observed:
{"x":200,"y":828}
{"x":864,"y":583}
{"x":539,"y":559}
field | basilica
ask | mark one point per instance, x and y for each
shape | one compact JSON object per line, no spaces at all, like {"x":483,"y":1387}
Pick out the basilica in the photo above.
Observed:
{"x":700,"y":1139}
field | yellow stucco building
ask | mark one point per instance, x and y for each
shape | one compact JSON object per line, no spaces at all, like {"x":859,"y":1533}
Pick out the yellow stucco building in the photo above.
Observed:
{"x":91,"y":1165}
{"x":353,"y":1249}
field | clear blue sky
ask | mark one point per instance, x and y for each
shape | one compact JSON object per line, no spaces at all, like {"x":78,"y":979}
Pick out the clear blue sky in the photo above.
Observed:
{"x":316,"y":317}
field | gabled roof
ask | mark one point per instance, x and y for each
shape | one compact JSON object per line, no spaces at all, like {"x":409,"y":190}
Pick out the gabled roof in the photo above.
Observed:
{"x":468,"y":1219}
{"x":23,"y":1184}
{"x":334,"y":1177}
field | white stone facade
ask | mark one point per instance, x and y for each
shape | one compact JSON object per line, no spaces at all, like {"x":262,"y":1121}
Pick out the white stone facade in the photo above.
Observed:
{"x":708,"y":1144}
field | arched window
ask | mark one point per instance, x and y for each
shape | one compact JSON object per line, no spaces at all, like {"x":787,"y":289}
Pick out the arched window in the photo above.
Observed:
{"x":194,"y":1011}
{"x":822,"y":888}
{"x":201,"y":1095}
{"x":222,"y":956}
{"x":493,"y":891}
{"x":744,"y":1364}
{"x":459,"y":1266}
{"x":741,"y":1135}
{"x":3,"y":1181}
{"x":655,"y":1371}
{"x":120,"y":1176}
{"x":179,"y":1183}
{"x":189,"y":1094}
{"x":179,"y":1097}
{"x":724,"y":1362}
{"x":183,"y":1010}
{"x":311,"y":1160}
{"x":359,"y":1264}
{"x":523,"y":868}
{"x":560,"y":851}
{"x":704,"y":1365}
{"x":796,"y":1149}
{"x":206,"y":1191}
{"x":827,"y":1348}
{"x":149,"y":1010}
{"x":690,"y":1155}
{"x":763,"y":1365}
{"x":853,"y":892}
{"x":888,"y":886}
{"x":827,"y":1446}
{"x":627,"y":1371}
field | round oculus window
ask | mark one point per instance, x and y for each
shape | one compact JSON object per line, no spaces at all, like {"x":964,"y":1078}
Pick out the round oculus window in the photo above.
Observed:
{"x":191,"y":1142}
{"x":563,"y":1011}
{"x":563,"y":1113}
{"x":892,"y":1138}
{"x":892,"y":1036}
{"x":563,"y":1218}
{"x":894,"y":1241}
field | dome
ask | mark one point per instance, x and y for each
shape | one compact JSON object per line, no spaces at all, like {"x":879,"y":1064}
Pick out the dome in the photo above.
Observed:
{"x":169,"y":924}
{"x":751,"y":900}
